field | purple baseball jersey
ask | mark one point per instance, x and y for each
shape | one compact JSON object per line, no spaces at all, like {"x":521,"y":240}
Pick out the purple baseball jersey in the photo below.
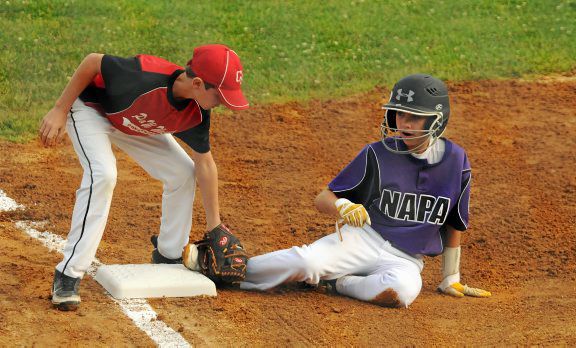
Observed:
{"x":409,"y":201}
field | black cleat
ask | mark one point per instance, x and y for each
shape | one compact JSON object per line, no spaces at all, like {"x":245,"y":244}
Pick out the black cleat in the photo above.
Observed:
{"x":329,"y":286}
{"x":306,"y":286}
{"x":159,"y":258}
{"x":65,"y":292}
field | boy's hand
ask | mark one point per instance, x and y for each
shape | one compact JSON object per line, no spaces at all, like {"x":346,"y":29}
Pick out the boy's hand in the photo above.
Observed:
{"x":353,"y":214}
{"x":53,"y":127}
{"x":456,"y":289}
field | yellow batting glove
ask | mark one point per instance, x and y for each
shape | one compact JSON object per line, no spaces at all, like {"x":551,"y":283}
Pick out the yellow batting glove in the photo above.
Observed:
{"x":456,"y":289}
{"x":468,"y":291}
{"x":353,"y":214}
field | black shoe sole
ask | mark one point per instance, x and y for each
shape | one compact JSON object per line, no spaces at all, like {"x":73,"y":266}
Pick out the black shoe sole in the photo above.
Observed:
{"x":158,"y":258}
{"x":67,"y":306}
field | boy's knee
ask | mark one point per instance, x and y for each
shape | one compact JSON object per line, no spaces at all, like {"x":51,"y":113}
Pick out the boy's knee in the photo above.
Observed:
{"x":388,"y":298}
{"x":188,"y":168}
{"x":184,"y":173}
{"x":401,"y":292}
{"x":310,"y":264}
{"x":105,"y":178}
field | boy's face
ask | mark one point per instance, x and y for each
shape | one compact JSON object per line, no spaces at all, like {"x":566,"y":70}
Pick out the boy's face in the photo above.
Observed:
{"x":411,"y":130}
{"x":196,"y":89}
{"x":207,"y":98}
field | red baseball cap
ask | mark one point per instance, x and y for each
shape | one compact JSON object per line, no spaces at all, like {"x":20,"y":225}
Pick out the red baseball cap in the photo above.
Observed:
{"x":220,"y":66}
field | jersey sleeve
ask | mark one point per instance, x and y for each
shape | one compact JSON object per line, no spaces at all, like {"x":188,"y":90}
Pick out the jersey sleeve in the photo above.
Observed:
{"x":116,"y":75}
{"x":119,"y":75}
{"x":116,"y":72}
{"x":198,"y":138}
{"x":359,"y":181}
{"x":458,"y":216}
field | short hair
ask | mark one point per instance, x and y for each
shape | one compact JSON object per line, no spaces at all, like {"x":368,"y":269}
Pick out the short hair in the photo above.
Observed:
{"x":191,"y":74}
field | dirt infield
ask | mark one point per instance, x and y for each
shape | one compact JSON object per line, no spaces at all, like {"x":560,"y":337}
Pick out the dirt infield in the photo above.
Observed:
{"x":520,"y":137}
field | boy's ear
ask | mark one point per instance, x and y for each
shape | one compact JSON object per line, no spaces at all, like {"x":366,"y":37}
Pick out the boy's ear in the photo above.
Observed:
{"x":197,"y":82}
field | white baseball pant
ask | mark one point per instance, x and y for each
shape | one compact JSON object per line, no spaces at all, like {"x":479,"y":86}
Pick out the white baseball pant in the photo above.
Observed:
{"x":161,"y":156}
{"x":367,"y":267}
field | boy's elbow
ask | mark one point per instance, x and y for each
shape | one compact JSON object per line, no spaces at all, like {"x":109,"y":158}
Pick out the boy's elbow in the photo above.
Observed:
{"x":94,"y":56}
{"x":94,"y":60}
{"x":320,"y":200}
{"x":317,"y":201}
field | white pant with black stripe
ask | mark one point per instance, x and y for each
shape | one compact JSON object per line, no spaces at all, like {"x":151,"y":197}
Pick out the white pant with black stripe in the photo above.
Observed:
{"x":367,"y":267}
{"x":161,"y":156}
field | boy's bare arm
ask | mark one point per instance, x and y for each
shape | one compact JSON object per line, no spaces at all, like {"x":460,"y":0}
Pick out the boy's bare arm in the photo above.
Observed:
{"x":207,"y":178}
{"x":351,"y":213}
{"x":453,"y":237}
{"x":53,"y":126}
{"x":451,"y":285}
{"x":325,"y":203}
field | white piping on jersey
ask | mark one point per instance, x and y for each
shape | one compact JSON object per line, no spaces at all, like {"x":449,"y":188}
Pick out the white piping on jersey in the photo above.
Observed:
{"x":199,"y":109}
{"x":441,"y":244}
{"x":378,"y":163}
{"x":117,"y":112}
{"x":462,"y":194}
{"x":363,"y":176}
{"x":225,"y":69}
{"x":150,"y":91}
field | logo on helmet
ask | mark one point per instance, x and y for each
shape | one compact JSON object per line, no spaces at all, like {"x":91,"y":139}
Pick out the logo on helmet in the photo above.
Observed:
{"x":439,"y":107}
{"x":408,"y":95}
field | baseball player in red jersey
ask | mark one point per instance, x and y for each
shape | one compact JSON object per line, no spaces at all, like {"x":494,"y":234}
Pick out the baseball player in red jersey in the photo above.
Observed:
{"x":137,"y":104}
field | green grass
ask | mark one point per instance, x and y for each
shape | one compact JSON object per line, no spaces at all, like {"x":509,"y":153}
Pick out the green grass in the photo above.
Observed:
{"x":291,"y":50}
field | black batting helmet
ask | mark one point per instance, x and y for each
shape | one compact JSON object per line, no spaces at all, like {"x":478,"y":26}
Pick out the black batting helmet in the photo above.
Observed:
{"x":422,"y":95}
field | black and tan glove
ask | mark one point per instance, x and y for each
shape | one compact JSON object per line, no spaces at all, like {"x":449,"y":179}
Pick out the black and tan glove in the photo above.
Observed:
{"x":219,"y":256}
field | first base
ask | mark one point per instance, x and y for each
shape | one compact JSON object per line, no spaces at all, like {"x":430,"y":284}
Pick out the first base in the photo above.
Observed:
{"x":153,"y":280}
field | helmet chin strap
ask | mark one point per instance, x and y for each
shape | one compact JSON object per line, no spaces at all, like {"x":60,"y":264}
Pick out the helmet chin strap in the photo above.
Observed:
{"x":400,"y":146}
{"x":415,"y":150}
{"x":423,"y":146}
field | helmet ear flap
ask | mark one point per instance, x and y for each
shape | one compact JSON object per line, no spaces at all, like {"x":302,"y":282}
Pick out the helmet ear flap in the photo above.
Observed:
{"x":390,"y":118}
{"x":429,"y":122}
{"x":437,"y":123}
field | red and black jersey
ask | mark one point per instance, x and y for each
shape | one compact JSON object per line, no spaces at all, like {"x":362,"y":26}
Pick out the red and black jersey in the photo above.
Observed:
{"x":135,"y":94}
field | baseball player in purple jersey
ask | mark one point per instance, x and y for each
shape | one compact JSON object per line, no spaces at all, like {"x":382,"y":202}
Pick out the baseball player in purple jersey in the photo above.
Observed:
{"x":136,"y":104}
{"x":401,"y":198}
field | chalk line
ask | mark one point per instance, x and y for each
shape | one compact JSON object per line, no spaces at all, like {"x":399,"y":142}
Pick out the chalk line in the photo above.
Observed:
{"x":138,"y":310}
{"x":7,"y":203}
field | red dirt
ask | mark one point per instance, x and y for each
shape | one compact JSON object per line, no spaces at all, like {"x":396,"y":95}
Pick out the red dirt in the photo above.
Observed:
{"x":520,"y":137}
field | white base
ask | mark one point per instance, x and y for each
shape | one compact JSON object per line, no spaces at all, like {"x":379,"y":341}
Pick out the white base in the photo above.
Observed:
{"x":151,"y":280}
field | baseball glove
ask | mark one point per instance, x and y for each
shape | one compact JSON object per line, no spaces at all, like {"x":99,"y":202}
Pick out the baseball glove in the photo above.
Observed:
{"x":221,"y":256}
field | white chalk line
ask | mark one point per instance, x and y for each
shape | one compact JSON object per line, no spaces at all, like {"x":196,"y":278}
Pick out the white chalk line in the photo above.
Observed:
{"x":138,"y":310}
{"x":7,"y":203}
